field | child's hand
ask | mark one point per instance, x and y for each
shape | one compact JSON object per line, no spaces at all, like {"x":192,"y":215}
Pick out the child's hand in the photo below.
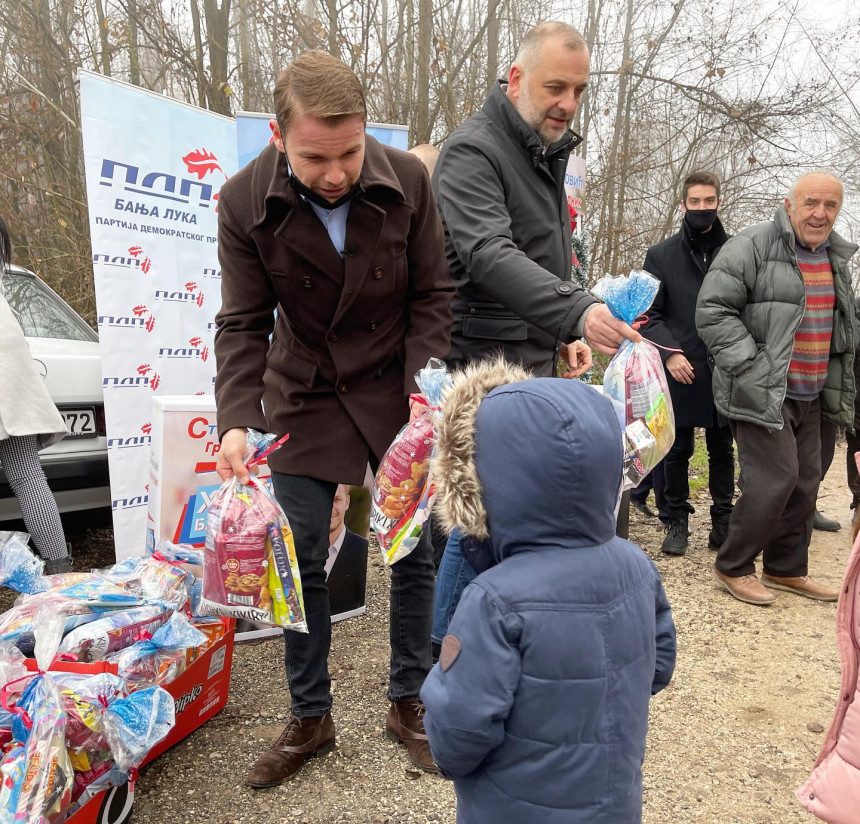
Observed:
{"x":577,"y":355}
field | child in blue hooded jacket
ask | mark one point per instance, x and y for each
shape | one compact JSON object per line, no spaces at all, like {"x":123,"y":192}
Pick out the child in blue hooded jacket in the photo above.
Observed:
{"x":538,"y":707}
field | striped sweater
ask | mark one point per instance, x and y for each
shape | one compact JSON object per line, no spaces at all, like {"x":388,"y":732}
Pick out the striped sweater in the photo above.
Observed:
{"x":807,"y":371}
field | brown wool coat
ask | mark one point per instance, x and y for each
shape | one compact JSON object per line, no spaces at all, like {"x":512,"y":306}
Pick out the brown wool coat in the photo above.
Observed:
{"x":350,"y":332}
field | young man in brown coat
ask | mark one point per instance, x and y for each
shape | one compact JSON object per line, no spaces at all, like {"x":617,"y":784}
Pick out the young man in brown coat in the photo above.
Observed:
{"x":341,"y":236}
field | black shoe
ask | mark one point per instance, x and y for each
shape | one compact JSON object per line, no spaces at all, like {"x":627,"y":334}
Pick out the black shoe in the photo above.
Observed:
{"x":675,"y":542}
{"x":719,"y":531}
{"x":825,"y":524}
{"x":643,"y":508}
{"x":56,"y":566}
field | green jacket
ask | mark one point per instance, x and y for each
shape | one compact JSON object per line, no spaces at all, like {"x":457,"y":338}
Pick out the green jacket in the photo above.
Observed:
{"x":750,"y":306}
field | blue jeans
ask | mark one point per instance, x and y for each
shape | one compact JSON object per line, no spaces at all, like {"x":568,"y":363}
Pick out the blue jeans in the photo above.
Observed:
{"x":454,"y":574}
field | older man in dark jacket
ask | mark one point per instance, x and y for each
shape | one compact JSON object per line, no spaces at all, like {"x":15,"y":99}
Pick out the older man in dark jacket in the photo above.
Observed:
{"x":499,"y":184}
{"x":776,"y":312}
{"x":341,"y":235}
{"x":680,"y":263}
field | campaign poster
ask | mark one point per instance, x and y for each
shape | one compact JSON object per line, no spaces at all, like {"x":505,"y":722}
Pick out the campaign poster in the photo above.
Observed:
{"x":154,"y":167}
{"x":574,"y":186}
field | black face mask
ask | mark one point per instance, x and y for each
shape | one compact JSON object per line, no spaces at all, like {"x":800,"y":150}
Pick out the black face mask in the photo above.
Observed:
{"x":300,"y":189}
{"x":700,"y":220}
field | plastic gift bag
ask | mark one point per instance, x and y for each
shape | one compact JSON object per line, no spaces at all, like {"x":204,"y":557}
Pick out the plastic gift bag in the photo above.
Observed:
{"x":45,"y":792}
{"x":155,"y":581}
{"x":250,"y":569}
{"x":85,"y":698}
{"x":635,"y":379}
{"x":403,"y":492}
{"x":38,"y":788}
{"x":178,"y":553}
{"x":115,"y":631}
{"x":134,"y":725}
{"x":18,"y":624}
{"x":161,"y":658}
{"x":20,"y":569}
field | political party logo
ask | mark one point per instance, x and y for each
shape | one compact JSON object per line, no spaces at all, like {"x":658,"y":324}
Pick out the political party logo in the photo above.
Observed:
{"x":135,"y":258}
{"x":201,"y":347}
{"x":140,"y":318}
{"x":202,"y":163}
{"x":146,"y":371}
{"x":143,"y":378}
{"x":131,"y":502}
{"x":143,"y":439}
{"x":145,"y":261}
{"x":144,"y":314}
{"x":197,"y":349}
{"x":192,"y":293}
{"x":164,"y":185}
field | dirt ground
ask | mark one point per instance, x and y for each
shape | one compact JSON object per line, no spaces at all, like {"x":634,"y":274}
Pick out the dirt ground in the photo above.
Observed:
{"x":730,"y":739}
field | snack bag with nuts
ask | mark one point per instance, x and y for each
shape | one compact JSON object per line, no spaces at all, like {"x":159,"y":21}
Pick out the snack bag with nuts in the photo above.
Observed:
{"x":403,"y":491}
{"x":635,"y":379}
{"x":250,"y":568}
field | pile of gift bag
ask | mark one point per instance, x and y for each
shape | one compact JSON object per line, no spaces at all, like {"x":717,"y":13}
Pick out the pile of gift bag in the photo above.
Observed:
{"x":123,"y":633}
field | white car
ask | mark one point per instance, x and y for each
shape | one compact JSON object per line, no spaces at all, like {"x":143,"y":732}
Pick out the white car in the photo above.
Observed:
{"x":66,"y":351}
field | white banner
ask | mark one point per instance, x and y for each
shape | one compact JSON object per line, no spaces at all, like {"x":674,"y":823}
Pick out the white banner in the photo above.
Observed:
{"x":154,"y":167}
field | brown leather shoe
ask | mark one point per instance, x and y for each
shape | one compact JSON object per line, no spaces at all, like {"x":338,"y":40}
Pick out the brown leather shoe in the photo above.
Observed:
{"x":747,"y":588}
{"x":301,"y":739}
{"x":804,"y":586}
{"x":405,"y":725}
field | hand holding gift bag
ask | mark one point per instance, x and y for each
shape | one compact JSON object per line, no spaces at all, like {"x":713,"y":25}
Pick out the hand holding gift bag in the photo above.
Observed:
{"x":250,"y":568}
{"x":403,"y":492}
{"x":635,"y":379}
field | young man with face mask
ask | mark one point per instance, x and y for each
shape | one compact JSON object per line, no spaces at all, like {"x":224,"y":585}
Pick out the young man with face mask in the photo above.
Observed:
{"x":680,"y":263}
{"x":341,"y":236}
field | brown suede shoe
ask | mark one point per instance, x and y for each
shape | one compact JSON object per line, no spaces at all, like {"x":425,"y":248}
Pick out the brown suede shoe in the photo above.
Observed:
{"x":747,"y":588}
{"x":405,"y":725}
{"x":301,"y":739}
{"x":804,"y":586}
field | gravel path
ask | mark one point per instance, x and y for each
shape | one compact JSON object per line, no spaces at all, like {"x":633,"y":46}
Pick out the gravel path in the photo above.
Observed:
{"x":730,"y":739}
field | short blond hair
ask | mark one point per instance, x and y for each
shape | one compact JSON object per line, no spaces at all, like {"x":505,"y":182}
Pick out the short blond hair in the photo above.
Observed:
{"x":320,"y":85}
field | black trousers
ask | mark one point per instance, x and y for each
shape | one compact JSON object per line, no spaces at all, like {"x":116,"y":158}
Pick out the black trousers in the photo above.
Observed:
{"x":828,"y":444}
{"x":781,"y":471}
{"x":721,"y":470}
{"x":655,"y":480}
{"x":307,"y":503}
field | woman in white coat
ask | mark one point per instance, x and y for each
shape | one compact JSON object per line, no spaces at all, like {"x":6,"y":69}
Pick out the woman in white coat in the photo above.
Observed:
{"x":29,"y":421}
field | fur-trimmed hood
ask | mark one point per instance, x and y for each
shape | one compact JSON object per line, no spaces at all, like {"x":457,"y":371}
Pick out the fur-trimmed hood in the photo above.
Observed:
{"x":527,"y":462}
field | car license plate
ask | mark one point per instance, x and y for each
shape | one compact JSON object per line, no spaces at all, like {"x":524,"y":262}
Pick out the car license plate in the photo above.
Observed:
{"x":81,"y":422}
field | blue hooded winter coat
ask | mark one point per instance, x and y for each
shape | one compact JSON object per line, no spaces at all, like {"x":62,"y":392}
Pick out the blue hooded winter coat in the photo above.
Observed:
{"x":538,"y":708}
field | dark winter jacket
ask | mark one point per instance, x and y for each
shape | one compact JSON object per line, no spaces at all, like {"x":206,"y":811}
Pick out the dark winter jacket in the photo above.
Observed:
{"x":672,"y":322}
{"x":507,"y":238}
{"x":749,"y":309}
{"x":538,"y":708}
